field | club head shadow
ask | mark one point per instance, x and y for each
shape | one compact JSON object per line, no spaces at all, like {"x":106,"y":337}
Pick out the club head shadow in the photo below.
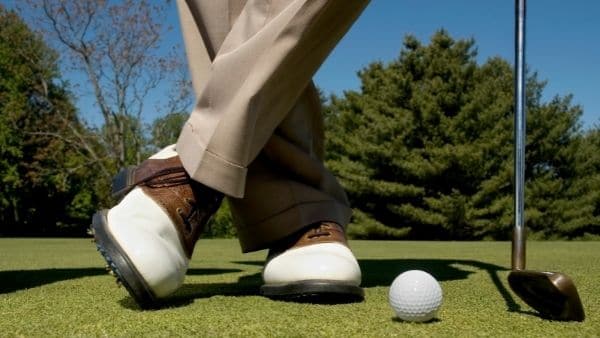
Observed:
{"x":552,"y":294}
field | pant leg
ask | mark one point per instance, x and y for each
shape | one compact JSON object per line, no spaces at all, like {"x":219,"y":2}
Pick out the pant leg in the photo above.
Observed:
{"x":204,"y":25}
{"x":265,"y":62}
{"x":285,"y":184}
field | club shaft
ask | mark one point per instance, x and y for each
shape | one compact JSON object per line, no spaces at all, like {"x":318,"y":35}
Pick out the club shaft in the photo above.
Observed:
{"x":519,"y":234}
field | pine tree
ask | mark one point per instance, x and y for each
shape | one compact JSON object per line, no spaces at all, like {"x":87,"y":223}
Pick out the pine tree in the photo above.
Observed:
{"x":424,"y":149}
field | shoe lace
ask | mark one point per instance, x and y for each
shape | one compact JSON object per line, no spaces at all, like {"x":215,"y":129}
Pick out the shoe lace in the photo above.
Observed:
{"x":321,"y":230}
{"x":197,"y":215}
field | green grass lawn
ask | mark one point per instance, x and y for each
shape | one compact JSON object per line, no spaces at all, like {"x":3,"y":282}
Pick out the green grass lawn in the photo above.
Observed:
{"x":58,"y":287}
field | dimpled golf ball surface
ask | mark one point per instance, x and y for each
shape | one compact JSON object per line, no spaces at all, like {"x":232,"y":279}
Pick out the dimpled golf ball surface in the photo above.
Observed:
{"x":415,"y":296}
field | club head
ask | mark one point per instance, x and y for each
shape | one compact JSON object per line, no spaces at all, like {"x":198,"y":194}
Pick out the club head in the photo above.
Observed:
{"x":552,"y":294}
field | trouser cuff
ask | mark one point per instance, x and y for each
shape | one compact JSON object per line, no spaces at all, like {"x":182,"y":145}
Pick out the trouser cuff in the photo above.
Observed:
{"x":208,"y":168}
{"x":270,"y":230}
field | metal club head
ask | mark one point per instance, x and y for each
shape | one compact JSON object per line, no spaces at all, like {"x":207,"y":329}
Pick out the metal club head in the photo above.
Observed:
{"x":552,"y":294}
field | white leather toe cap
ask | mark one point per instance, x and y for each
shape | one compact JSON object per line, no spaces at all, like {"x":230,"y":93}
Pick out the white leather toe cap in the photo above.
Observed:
{"x":324,"y":261}
{"x":149,"y":239}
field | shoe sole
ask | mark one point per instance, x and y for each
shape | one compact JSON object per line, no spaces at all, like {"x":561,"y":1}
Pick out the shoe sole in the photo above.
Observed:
{"x":120,"y":264}
{"x":314,"y":291}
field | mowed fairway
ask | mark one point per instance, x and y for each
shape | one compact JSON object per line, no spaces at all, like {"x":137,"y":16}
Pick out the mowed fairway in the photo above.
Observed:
{"x":58,"y":287}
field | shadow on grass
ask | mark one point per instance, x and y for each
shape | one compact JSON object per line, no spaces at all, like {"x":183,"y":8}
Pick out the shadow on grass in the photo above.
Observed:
{"x":428,"y":322}
{"x":11,"y":281}
{"x":16,"y":280}
{"x":245,"y":286}
{"x":375,"y":272}
{"x":381,"y":272}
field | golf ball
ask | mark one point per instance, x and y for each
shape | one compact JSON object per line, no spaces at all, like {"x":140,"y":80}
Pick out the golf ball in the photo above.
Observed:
{"x":415,"y":296}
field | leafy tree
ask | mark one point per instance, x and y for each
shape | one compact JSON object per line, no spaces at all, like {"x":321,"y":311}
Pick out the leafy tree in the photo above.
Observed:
{"x":221,"y":224}
{"x":165,"y":130}
{"x":425,"y":149}
{"x":116,"y":45}
{"x":45,"y":179}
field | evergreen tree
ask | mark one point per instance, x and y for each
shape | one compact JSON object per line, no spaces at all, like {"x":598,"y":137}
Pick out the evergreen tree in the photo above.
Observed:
{"x":578,"y":205}
{"x":425,"y":148}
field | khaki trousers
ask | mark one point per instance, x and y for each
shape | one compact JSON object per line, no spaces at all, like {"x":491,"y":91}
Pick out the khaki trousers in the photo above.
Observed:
{"x":256,"y":132}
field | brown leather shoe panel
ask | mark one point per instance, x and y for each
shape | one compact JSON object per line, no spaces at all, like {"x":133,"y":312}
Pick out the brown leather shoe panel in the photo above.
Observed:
{"x":188,"y":204}
{"x":175,"y":202}
{"x":324,"y":232}
{"x":156,"y":173}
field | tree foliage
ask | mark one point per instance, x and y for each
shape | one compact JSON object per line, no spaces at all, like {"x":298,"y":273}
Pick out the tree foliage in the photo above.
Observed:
{"x":45,"y":179}
{"x":116,"y":45}
{"x":425,"y":149}
{"x":56,"y":170}
{"x":166,"y":129}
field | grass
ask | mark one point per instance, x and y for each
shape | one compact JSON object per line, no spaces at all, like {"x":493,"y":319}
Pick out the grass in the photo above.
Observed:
{"x":58,"y":287}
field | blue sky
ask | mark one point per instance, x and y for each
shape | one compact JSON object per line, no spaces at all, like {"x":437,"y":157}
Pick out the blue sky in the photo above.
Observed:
{"x":563,"y":43}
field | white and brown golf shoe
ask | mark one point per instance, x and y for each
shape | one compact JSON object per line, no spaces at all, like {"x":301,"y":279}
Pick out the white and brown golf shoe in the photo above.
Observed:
{"x":314,"y":265}
{"x":148,"y":238}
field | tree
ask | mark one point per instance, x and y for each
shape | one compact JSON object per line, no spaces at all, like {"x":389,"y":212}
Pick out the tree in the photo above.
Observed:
{"x":577,"y":202}
{"x":117,"y":46}
{"x":166,"y":129}
{"x":45,"y":178}
{"x":425,"y":149}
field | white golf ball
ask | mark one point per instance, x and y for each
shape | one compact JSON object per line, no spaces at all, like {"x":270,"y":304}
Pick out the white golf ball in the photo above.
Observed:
{"x":415,"y":296}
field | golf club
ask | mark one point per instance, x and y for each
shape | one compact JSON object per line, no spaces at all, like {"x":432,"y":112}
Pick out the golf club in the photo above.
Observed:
{"x":552,"y":294}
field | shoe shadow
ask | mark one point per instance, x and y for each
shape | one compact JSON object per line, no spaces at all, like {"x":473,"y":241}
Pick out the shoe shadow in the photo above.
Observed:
{"x":206,"y":272}
{"x":11,"y":281}
{"x":375,"y":272}
{"x":381,"y":272}
{"x":245,"y":286}
{"x":15,"y":280}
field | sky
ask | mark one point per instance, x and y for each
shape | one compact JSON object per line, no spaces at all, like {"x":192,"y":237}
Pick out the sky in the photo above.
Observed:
{"x":562,"y":42}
